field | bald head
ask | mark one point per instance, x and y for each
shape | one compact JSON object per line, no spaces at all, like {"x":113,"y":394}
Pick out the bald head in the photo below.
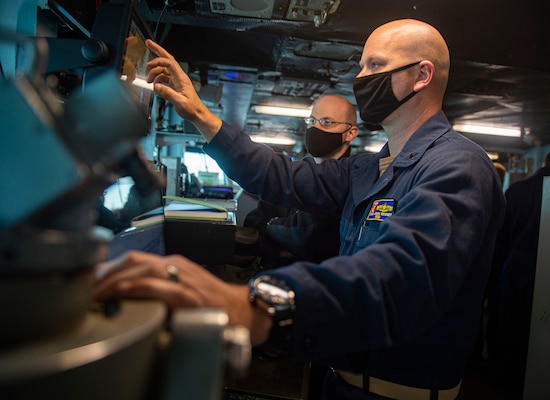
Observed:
{"x":409,"y":40}
{"x":335,"y":107}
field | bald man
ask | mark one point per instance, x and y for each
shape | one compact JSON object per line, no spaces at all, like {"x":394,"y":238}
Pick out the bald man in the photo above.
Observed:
{"x":289,"y":234}
{"x":331,"y":127}
{"x":396,"y":313}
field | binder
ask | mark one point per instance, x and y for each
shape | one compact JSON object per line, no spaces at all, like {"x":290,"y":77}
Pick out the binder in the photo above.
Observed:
{"x":204,"y":242}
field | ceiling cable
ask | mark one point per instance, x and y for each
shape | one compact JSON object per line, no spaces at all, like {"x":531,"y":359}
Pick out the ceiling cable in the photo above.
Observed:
{"x":166,"y":5}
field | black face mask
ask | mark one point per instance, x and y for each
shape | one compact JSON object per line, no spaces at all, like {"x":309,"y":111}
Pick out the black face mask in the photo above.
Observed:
{"x":320,"y":143}
{"x":374,"y":95}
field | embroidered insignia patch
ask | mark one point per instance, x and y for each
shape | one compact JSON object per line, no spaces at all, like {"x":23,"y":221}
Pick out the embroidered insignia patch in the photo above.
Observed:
{"x":381,"y":209}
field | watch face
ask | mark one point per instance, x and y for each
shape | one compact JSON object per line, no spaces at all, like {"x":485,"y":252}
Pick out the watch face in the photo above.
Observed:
{"x":276,"y":293}
{"x":273,"y":291}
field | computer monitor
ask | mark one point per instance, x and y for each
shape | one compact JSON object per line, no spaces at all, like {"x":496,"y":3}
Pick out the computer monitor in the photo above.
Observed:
{"x":122,"y":28}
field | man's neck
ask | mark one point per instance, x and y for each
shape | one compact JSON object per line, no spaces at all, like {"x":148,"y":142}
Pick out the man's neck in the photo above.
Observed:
{"x":399,"y":132}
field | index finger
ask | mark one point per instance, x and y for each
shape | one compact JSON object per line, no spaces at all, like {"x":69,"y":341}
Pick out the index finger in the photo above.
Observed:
{"x":157,"y":49}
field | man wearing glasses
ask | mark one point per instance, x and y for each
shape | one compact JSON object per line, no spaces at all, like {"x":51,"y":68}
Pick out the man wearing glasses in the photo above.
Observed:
{"x":288,"y":234}
{"x":331,"y":128}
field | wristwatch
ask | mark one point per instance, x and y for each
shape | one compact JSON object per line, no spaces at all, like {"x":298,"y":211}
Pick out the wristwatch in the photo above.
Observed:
{"x":279,"y":301}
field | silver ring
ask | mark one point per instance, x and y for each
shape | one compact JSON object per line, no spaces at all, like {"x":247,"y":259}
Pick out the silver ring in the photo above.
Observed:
{"x":173,"y":273}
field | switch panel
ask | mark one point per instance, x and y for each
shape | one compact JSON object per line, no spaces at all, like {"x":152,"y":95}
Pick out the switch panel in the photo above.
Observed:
{"x":316,"y":11}
{"x":243,"y":8}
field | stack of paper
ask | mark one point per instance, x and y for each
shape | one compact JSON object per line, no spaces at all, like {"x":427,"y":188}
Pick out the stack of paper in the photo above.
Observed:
{"x":182,"y":208}
{"x":154,"y":216}
{"x":185,"y":208}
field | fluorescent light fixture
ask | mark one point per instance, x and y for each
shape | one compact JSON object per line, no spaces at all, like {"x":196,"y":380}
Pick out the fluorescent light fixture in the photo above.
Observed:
{"x":487,"y":130}
{"x":374,"y":148}
{"x":283,"y":111}
{"x":273,"y":140}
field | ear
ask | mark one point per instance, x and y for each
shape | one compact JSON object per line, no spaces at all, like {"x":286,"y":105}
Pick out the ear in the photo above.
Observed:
{"x":351,"y":134}
{"x":425,"y":75}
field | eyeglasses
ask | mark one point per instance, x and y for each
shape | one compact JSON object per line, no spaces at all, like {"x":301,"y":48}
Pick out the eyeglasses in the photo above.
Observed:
{"x":325,"y":122}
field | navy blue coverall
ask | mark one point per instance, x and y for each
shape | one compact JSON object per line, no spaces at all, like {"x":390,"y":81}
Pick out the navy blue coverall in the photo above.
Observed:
{"x":402,"y":302}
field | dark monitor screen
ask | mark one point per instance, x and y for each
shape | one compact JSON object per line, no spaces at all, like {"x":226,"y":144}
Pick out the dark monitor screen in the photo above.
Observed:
{"x":124,"y":31}
{"x":78,"y":15}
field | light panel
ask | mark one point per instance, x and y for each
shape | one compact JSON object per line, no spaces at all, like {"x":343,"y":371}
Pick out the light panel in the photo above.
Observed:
{"x":487,"y":130}
{"x":373,"y":147}
{"x":273,"y":140}
{"x":283,"y":111}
